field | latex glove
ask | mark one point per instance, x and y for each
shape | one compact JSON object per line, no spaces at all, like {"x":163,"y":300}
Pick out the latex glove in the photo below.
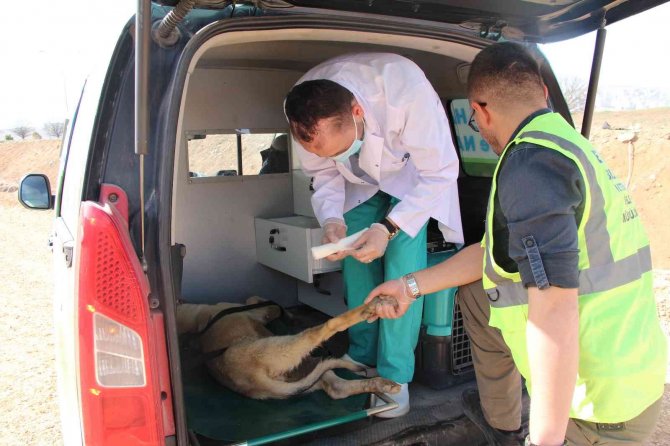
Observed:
{"x":334,"y":230}
{"x":372,"y":244}
{"x":396,"y":298}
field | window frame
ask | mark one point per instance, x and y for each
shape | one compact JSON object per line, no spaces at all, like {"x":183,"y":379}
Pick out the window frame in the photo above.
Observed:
{"x":492,"y":162}
{"x":239,"y":132}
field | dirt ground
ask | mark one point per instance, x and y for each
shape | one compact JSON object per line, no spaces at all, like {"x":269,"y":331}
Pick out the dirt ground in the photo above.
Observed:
{"x":28,"y":401}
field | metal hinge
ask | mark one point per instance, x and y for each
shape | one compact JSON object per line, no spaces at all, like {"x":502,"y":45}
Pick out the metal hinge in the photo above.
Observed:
{"x":492,"y":31}
{"x":67,"y":252}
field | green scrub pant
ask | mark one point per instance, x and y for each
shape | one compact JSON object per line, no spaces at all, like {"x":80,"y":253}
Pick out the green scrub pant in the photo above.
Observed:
{"x":387,"y":343}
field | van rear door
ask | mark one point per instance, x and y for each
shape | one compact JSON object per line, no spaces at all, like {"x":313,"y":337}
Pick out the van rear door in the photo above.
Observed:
{"x":539,"y":21}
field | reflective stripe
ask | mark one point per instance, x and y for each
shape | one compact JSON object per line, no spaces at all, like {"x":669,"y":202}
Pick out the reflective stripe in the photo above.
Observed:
{"x":597,"y":238}
{"x":489,"y":270}
{"x":591,"y":280}
{"x":510,"y":294}
{"x":605,"y":277}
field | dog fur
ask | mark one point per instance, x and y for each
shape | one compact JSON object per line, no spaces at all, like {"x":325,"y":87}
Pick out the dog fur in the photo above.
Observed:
{"x":260,"y":365}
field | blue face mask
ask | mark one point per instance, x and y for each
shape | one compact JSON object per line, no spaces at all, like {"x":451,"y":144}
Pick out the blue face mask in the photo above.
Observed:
{"x":353,"y":149}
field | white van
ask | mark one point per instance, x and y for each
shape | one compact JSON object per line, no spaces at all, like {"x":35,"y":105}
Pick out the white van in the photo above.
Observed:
{"x":165,"y":195}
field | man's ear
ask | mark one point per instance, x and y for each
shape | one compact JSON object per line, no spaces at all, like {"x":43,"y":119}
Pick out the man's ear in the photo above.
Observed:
{"x":482,"y":114}
{"x":357,"y":110}
{"x":546,"y":92}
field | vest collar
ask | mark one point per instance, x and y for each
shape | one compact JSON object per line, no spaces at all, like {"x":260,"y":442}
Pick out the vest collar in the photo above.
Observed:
{"x":526,"y":121}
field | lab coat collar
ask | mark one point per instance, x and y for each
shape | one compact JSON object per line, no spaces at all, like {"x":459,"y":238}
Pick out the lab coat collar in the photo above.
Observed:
{"x":369,"y":160}
{"x":345,"y":169}
{"x":370,"y":157}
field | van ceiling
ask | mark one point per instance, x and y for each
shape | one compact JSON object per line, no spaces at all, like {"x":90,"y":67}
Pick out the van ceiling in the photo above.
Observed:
{"x":300,"y":56}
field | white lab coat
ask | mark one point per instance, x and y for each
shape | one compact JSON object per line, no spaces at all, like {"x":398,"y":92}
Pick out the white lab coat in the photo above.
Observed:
{"x":407,"y":149}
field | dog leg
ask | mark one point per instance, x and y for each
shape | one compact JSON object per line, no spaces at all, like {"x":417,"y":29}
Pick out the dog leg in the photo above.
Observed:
{"x":338,"y":388}
{"x":283,"y":353}
{"x":266,"y":386}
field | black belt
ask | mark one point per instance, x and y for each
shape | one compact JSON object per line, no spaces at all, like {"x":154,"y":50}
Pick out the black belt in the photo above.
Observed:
{"x":233,"y":310}
{"x":611,"y":426}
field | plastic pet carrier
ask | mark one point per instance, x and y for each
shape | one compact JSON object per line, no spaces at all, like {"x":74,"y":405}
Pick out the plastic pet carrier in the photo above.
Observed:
{"x":443,"y":356}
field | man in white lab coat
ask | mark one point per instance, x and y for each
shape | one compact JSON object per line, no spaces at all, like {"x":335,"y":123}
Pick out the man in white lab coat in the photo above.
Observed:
{"x":372,"y":132}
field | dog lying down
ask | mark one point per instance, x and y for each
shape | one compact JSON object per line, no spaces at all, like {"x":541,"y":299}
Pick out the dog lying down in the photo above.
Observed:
{"x":260,"y":365}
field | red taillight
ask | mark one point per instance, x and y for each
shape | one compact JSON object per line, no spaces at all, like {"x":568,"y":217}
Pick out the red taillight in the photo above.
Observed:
{"x":120,"y":389}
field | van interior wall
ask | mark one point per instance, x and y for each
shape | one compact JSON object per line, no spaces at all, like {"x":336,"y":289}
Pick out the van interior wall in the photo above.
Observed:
{"x":214,"y":219}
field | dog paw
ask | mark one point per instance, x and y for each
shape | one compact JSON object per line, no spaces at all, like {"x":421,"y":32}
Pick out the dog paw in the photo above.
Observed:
{"x":370,"y":309}
{"x":388,"y":386}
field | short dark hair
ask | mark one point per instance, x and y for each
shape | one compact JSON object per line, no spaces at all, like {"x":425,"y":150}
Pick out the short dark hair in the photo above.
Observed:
{"x":506,"y":71}
{"x":311,"y":101}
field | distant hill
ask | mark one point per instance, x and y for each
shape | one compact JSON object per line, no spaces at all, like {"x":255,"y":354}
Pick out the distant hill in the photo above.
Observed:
{"x":18,"y":158}
{"x":631,"y":98}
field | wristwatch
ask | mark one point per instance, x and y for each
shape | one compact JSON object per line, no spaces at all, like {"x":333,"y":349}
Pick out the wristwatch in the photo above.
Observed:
{"x":392,"y":228}
{"x":530,"y":443}
{"x":412,"y":285}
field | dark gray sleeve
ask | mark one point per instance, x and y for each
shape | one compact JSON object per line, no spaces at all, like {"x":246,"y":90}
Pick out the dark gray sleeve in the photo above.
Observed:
{"x":540,"y":194}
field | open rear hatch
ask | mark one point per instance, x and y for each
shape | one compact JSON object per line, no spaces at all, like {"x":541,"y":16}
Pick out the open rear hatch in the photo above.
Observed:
{"x":539,"y":21}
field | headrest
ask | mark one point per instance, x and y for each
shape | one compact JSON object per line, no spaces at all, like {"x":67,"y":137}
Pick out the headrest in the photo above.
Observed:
{"x":280,"y":143}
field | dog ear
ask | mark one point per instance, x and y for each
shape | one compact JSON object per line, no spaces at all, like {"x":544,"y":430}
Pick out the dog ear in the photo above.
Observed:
{"x":254,"y":300}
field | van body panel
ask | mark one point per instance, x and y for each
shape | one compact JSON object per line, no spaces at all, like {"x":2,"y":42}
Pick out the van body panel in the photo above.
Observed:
{"x":73,"y":168}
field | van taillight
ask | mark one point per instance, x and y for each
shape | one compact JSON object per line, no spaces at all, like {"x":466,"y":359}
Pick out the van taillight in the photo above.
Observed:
{"x":120,"y":390}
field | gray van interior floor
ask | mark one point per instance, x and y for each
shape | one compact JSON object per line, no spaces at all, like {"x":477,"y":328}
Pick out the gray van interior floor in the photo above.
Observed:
{"x":436,"y":416}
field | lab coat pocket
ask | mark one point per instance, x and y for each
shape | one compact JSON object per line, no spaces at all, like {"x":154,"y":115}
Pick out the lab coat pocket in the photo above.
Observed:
{"x":397,"y":163}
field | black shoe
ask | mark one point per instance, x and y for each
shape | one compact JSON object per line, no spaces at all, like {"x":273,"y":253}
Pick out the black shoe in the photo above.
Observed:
{"x":495,"y":437}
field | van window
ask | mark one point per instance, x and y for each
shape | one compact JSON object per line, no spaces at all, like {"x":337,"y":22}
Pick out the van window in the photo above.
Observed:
{"x":238,"y":152}
{"x":477,"y":157}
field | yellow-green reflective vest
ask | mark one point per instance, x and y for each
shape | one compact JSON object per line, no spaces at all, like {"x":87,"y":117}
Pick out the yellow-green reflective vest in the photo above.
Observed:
{"x":622,"y":350}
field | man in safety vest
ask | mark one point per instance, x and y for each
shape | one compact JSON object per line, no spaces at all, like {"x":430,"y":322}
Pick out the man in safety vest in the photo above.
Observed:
{"x":567,"y":277}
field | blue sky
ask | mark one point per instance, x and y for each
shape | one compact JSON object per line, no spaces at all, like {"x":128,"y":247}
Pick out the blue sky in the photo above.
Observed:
{"x":45,"y":64}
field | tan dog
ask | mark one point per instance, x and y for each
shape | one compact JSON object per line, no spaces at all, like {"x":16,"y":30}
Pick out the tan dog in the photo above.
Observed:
{"x":260,"y":365}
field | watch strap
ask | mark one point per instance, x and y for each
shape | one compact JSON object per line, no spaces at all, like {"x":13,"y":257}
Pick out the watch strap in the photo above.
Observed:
{"x":393,"y":229}
{"x":527,"y":442}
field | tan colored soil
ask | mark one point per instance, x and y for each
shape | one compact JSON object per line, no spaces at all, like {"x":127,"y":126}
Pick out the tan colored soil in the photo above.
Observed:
{"x":28,"y":401}
{"x":650,"y":180}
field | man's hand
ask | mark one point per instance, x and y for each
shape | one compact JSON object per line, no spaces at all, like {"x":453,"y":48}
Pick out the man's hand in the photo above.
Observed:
{"x":334,"y":230}
{"x":396,"y":299}
{"x":372,"y":244}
